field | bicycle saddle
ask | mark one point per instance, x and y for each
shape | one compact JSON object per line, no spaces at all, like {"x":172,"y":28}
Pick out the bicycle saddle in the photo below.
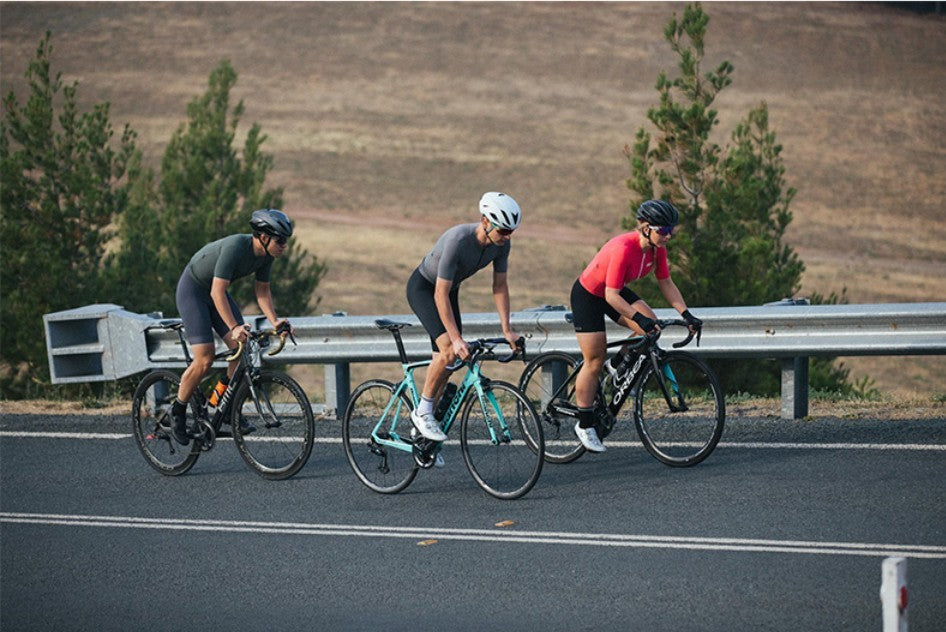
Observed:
{"x":390,"y":325}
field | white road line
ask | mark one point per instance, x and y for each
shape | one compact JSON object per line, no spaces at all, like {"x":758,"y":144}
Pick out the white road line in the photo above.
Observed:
{"x":764,"y":445}
{"x":485,"y":535}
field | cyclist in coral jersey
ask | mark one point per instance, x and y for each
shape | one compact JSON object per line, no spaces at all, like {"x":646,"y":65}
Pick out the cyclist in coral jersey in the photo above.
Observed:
{"x":602,"y":290}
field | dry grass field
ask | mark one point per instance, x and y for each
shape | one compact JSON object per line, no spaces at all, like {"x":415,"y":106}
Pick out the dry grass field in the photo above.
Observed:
{"x":388,"y":120}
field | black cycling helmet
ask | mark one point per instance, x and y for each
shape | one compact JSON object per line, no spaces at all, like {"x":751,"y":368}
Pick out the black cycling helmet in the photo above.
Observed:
{"x":270,"y":221}
{"x":658,"y":213}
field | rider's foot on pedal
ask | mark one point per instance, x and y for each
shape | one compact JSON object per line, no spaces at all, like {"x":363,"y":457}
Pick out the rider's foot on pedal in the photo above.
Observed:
{"x":245,"y":426}
{"x":589,"y":439}
{"x":179,"y":427}
{"x":427,"y":425}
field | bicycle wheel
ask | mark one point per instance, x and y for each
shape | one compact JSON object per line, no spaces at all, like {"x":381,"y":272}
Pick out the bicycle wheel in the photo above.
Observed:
{"x":679,"y":411}
{"x":539,"y":382}
{"x":284,"y":431}
{"x":151,"y":424}
{"x":502,"y":441}
{"x":373,"y":413}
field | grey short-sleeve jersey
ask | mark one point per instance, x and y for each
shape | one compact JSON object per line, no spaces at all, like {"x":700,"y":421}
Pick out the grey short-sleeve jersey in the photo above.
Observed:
{"x":458,"y":255}
{"x":229,"y":258}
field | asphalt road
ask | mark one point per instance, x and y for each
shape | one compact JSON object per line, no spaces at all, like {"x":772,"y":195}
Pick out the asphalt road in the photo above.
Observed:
{"x":784,"y":527}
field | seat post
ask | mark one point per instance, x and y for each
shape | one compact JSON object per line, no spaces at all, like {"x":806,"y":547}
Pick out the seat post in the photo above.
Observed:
{"x":400,"y":345}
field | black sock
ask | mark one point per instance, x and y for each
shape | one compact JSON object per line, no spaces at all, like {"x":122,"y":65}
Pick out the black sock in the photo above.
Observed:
{"x":586,"y":417}
{"x":178,"y":407}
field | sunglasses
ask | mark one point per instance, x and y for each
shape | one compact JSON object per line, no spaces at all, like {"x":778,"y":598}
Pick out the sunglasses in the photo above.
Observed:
{"x":281,"y":241}
{"x":505,"y":232}
{"x":666,"y":231}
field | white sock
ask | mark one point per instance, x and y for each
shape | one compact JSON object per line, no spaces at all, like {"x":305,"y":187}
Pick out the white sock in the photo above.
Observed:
{"x":426,"y":406}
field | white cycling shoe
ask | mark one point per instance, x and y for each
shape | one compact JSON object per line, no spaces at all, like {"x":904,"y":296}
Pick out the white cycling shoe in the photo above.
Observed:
{"x":427,"y":426}
{"x":589,"y":439}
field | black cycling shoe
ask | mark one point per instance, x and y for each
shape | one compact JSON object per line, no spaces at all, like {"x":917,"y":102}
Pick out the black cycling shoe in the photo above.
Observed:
{"x":245,"y":426}
{"x":179,"y":428}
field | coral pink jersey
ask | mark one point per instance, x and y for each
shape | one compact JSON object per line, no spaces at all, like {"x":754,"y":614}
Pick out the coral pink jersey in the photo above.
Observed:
{"x":621,"y":261}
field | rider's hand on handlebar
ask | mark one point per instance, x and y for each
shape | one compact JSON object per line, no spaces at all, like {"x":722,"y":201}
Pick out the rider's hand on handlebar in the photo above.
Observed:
{"x":648,"y":325}
{"x":284,"y":326}
{"x":461,"y":349}
{"x":512,"y":338}
{"x":693,"y":323}
{"x":240,"y":332}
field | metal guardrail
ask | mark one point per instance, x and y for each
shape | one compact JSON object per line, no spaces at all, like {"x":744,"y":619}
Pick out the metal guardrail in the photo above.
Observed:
{"x":106,"y":342}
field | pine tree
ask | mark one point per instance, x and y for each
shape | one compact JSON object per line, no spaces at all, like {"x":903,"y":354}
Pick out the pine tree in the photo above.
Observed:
{"x":733,"y":201}
{"x":63,"y":186}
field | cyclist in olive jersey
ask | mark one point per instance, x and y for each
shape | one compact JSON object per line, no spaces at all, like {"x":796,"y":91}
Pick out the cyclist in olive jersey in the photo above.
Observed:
{"x":206,"y":306}
{"x":601,"y":290}
{"x":433,"y":293}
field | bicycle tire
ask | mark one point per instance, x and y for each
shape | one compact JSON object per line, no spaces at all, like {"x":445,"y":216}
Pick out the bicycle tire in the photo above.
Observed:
{"x":284,"y":433}
{"x":384,"y":469}
{"x":538,"y":384}
{"x":510,"y":468}
{"x":680,"y":438}
{"x":150,"y":417}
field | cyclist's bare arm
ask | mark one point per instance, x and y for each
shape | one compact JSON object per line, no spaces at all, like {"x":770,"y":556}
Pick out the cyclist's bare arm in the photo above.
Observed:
{"x":445,"y":311}
{"x":670,"y":291}
{"x":264,"y":298}
{"x":218,"y":292}
{"x":501,"y":298}
{"x":615,"y":300}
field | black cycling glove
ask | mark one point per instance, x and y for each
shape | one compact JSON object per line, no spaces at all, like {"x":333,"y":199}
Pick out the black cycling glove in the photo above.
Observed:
{"x":692,"y":320}
{"x":647,"y":324}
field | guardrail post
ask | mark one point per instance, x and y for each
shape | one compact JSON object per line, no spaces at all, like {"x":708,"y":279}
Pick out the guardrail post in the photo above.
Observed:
{"x":337,"y":387}
{"x":893,"y":594}
{"x":795,"y":388}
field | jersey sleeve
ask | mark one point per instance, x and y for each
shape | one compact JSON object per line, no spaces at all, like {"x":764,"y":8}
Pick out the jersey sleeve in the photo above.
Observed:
{"x":662,"y":267}
{"x":616,"y":274}
{"x":226,"y":265}
{"x":447,"y":266}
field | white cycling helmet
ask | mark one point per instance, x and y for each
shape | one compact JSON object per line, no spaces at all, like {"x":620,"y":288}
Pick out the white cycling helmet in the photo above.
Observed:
{"x":501,"y":210}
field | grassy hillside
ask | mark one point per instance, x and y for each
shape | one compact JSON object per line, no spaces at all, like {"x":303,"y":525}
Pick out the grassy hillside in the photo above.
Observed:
{"x":388,"y":121}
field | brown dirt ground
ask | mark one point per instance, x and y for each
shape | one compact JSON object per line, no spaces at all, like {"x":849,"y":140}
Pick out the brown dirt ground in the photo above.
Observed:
{"x":388,"y":120}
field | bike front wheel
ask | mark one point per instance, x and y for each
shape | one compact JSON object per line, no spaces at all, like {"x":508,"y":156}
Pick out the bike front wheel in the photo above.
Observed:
{"x":272,"y":425}
{"x":679,"y":410}
{"x":375,"y":428}
{"x":151,"y":424}
{"x":502,"y":441}
{"x":541,"y":383}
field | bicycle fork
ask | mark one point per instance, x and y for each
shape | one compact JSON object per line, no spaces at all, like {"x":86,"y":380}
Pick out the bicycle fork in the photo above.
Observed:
{"x":486,"y":396}
{"x":668,"y":382}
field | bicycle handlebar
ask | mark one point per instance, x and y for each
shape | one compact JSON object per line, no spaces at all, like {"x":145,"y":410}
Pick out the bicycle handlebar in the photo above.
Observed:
{"x":282,"y":333}
{"x":483,"y":346}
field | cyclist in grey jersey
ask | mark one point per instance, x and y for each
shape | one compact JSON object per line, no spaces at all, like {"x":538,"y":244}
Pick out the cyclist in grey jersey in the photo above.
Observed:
{"x":458,"y":255}
{"x":205,"y":304}
{"x":433,"y":288}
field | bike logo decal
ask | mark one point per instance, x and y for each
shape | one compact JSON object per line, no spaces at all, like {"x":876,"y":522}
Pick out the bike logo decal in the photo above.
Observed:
{"x":621,"y":391}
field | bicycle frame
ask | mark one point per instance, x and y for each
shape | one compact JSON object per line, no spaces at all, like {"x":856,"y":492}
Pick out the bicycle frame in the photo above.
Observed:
{"x":647,"y":349}
{"x":245,"y":368}
{"x":473,"y":379}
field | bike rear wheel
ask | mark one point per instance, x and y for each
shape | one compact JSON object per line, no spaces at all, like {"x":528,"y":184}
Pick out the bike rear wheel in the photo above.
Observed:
{"x":373,"y":409}
{"x":151,"y":424}
{"x":680,"y":410}
{"x":502,"y":441}
{"x":284,"y":431}
{"x":539,"y":382}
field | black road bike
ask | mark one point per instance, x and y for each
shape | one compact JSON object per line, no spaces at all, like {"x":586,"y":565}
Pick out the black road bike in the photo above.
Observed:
{"x":269,"y":415}
{"x":678,"y":411}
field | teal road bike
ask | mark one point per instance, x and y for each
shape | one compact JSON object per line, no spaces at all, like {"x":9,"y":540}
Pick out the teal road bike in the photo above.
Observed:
{"x":500,"y":434}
